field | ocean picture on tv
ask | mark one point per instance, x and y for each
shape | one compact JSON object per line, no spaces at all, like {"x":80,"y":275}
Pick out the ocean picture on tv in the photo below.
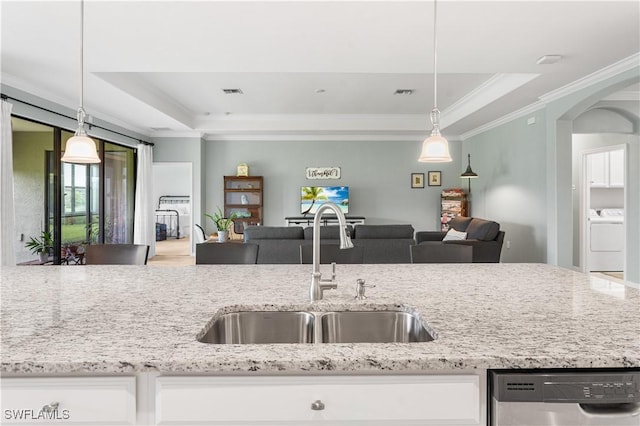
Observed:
{"x":312,"y":197}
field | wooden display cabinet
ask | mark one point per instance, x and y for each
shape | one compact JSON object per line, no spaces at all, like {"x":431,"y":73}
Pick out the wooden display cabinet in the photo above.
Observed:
{"x":243,"y":196}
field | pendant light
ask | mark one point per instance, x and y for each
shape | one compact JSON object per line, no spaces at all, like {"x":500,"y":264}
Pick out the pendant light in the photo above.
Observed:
{"x":80,"y":148}
{"x":469,"y":174}
{"x":435,"y":149}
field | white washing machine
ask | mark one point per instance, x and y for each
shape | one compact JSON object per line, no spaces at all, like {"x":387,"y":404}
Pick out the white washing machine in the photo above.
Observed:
{"x":606,"y":245}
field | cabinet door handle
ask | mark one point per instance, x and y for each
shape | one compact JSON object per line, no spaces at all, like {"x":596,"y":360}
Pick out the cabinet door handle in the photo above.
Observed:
{"x":50,"y":407}
{"x":317,"y":405}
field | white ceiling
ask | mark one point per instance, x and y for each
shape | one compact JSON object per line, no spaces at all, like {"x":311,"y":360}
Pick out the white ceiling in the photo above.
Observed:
{"x":159,"y":67}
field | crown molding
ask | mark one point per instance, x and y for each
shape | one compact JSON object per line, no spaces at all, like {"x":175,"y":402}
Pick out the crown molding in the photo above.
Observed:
{"x":50,"y":100}
{"x":582,"y":83}
{"x":529,"y":109}
{"x":497,"y":86}
{"x":176,"y":134}
{"x":605,"y":73}
{"x":317,"y":136}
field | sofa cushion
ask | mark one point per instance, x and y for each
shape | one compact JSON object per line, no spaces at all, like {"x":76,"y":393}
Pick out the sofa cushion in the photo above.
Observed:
{"x":383,"y":231}
{"x":452,"y":235}
{"x":273,"y":233}
{"x":326,"y":232}
{"x":460,"y":223}
{"x":483,"y":230}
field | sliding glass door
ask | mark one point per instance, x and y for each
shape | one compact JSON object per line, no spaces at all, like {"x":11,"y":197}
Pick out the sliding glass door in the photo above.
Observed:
{"x":78,"y":203}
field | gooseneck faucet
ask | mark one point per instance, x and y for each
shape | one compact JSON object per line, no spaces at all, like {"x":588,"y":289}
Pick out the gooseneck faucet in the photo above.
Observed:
{"x":318,"y":285}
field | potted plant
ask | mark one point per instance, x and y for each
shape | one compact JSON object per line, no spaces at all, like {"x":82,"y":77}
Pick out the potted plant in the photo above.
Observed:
{"x":222,"y":223}
{"x":41,"y":246}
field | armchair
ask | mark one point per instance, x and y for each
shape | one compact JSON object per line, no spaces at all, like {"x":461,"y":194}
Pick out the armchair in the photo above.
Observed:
{"x":483,"y":235}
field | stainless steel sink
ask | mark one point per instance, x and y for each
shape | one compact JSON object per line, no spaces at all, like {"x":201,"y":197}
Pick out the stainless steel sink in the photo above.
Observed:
{"x":261,"y":327}
{"x":372,"y":327}
{"x":253,"y":327}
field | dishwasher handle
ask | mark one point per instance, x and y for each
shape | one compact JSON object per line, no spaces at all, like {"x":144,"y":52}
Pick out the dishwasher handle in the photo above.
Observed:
{"x":626,"y":409}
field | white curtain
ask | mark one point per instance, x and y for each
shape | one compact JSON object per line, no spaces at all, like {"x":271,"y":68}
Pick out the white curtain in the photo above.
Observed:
{"x":7,"y":218}
{"x":144,"y":231}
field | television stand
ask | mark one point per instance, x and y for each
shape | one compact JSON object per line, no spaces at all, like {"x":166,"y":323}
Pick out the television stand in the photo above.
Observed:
{"x":325,"y":220}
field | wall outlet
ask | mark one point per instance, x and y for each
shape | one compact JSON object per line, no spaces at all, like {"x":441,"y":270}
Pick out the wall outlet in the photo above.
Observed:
{"x":508,"y":244}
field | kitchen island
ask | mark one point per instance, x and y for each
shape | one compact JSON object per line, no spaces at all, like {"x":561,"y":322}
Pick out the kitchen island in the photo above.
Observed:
{"x":130,"y":320}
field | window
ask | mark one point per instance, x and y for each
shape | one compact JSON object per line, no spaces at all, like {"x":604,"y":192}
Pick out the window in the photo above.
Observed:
{"x":95,"y":201}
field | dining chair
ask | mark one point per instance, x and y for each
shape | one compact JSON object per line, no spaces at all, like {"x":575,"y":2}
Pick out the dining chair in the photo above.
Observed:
{"x":199,"y":236}
{"x":330,"y":253}
{"x":214,"y":253}
{"x":441,"y":253}
{"x":116,"y":254}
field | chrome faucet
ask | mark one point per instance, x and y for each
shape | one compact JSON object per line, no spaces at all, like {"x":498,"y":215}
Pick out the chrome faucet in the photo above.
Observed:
{"x":318,"y":285}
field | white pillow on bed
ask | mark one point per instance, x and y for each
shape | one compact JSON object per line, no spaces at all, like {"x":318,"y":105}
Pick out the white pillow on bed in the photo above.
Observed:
{"x":452,"y":235}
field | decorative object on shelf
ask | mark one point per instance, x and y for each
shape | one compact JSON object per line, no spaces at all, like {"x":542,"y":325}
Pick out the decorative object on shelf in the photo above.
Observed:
{"x":323,"y":172}
{"x":242,"y":170}
{"x":469,"y":174}
{"x":417,"y":180}
{"x":80,"y":148}
{"x":41,"y":245}
{"x":435,"y":149}
{"x":435,"y":178}
{"x":223,"y":224}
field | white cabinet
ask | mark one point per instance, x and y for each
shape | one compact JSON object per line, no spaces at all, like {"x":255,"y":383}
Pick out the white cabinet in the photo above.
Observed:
{"x":330,"y":400}
{"x":616,"y":168}
{"x":607,"y":169}
{"x":69,"y":401}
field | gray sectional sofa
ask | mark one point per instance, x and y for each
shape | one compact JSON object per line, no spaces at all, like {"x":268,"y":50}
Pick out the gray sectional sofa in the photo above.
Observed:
{"x":483,"y":235}
{"x":381,"y":243}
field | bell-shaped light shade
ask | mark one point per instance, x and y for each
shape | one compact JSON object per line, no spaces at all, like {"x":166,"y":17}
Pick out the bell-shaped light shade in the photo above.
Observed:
{"x":435,"y":149}
{"x":80,"y":149}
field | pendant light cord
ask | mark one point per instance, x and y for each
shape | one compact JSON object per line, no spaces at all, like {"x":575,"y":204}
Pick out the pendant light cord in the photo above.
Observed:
{"x":435,"y":55}
{"x":81,"y":112}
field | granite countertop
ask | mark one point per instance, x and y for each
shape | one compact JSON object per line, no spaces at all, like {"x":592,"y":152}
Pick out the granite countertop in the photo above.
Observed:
{"x":127,"y":319}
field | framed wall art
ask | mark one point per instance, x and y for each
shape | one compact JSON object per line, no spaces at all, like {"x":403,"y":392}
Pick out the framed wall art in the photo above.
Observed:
{"x":417,"y":180}
{"x":435,"y":178}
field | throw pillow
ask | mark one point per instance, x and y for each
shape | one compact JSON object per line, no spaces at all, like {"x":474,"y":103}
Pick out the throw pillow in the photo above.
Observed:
{"x":453,"y":235}
{"x":482,"y":229}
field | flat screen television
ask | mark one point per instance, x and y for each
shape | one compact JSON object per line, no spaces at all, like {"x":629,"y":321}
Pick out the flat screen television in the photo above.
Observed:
{"x":312,"y":197}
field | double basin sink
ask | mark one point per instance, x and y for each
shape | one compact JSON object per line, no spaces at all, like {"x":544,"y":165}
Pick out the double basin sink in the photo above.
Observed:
{"x":261,"y":327}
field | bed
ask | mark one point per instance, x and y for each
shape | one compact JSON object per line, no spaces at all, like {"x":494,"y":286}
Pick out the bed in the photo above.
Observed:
{"x":174,"y":214}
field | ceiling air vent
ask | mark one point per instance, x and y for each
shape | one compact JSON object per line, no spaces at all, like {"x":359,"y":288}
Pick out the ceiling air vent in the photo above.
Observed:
{"x":232,"y":91}
{"x":403,"y":92}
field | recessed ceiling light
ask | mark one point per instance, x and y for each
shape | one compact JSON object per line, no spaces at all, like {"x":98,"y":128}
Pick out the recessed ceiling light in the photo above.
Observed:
{"x":207,"y":113}
{"x":232,"y":91}
{"x":320,"y":90}
{"x":403,"y":92}
{"x":548,"y":59}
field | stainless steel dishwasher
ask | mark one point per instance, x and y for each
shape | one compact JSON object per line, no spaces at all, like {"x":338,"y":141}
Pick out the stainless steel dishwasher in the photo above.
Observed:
{"x":564,"y":397}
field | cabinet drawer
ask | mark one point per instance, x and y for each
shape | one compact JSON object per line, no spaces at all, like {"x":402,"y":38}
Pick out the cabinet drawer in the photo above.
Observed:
{"x":370,"y":400}
{"x":81,"y":401}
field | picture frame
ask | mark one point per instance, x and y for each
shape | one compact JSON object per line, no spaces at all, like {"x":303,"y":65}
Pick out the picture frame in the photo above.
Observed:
{"x":417,"y":180}
{"x":435,"y":178}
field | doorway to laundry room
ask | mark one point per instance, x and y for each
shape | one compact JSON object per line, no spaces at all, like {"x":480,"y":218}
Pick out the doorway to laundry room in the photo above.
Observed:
{"x":602,"y":210}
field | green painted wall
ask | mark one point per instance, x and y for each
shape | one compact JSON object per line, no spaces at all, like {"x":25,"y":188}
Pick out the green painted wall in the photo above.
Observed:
{"x":378,"y":174}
